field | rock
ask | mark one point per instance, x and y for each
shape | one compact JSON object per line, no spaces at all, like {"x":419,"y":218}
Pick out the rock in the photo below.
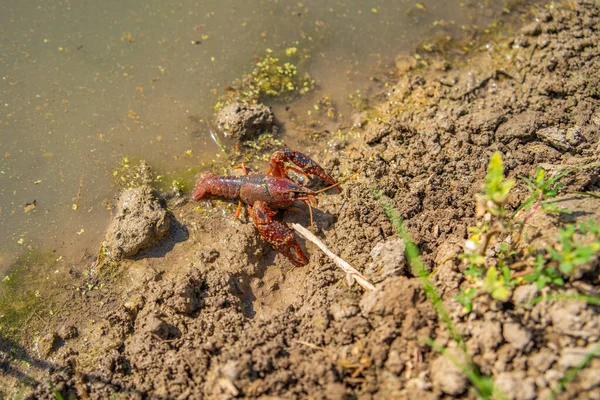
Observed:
{"x":47,"y":344}
{"x":515,"y":386}
{"x":486,"y":335}
{"x":447,"y":377}
{"x":139,"y":222}
{"x":524,"y":294}
{"x":395,"y":297}
{"x":542,"y":361}
{"x":573,"y":135}
{"x":532,"y":29}
{"x":244,"y":121}
{"x":575,"y":356}
{"x":186,"y":297}
{"x":573,"y":319}
{"x":341,"y":310}
{"x":516,"y":335}
{"x":336,"y":391}
{"x":388,"y":260}
{"x":555,"y":137}
{"x":67,"y":332}
{"x":589,"y":378}
{"x":156,"y":325}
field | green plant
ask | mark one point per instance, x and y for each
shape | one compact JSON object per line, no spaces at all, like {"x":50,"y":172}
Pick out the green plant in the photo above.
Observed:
{"x":497,"y":284}
{"x":483,"y":385}
{"x":543,"y":274}
{"x":572,"y":252}
{"x":465,"y":297}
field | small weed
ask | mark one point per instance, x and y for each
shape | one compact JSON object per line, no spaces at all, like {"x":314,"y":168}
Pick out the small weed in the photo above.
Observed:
{"x":543,"y":274}
{"x":466,"y":299}
{"x":494,"y":273}
{"x":484,"y":385}
{"x":573,"y":253}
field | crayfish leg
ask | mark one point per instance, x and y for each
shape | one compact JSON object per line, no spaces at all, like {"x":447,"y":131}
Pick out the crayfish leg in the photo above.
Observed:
{"x":306,"y":164}
{"x":279,"y":236}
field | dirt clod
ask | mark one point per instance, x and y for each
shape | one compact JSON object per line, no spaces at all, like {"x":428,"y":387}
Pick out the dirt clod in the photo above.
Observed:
{"x":140,"y":221}
{"x":244,"y":121}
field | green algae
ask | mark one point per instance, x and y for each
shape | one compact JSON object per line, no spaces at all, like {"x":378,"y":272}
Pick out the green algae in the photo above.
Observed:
{"x":23,"y":290}
{"x":273,"y":76}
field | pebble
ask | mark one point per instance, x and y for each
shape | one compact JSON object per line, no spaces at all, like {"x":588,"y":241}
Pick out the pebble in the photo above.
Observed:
{"x":516,"y":335}
{"x":524,"y":294}
{"x":515,"y":386}
{"x":447,"y":377}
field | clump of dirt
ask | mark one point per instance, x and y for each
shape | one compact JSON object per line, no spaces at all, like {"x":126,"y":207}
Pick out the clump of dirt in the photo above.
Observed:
{"x":224,"y":316}
{"x":244,"y":121}
{"x":139,"y":222}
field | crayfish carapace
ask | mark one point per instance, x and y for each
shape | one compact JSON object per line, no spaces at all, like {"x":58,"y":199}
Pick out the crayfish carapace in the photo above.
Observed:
{"x":264,"y":194}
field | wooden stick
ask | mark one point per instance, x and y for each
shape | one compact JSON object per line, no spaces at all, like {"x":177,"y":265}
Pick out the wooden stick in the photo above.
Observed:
{"x":351,"y":273}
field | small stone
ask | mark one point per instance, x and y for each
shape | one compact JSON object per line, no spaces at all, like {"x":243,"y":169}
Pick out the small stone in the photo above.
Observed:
{"x":575,"y":356}
{"x":589,"y":378}
{"x":336,"y":391}
{"x":139,"y":223}
{"x":542,"y":360}
{"x":573,"y":135}
{"x":47,"y":344}
{"x":515,"y":386}
{"x":524,"y":294}
{"x":67,"y":332}
{"x":555,"y":137}
{"x":244,"y":121}
{"x":532,"y":29}
{"x":516,"y":335}
{"x":388,"y":260}
{"x":447,"y":377}
{"x":341,"y":310}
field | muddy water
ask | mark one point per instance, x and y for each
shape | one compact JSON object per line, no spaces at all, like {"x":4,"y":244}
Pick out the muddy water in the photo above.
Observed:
{"x":84,"y":84}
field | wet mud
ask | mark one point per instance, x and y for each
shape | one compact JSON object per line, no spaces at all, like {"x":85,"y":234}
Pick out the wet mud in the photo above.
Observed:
{"x":217,"y":314}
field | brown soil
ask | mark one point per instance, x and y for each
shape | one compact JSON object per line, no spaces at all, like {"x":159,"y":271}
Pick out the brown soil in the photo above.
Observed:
{"x":222,"y":315}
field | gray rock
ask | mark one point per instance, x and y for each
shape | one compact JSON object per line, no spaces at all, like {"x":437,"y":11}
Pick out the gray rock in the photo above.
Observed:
{"x":573,"y":319}
{"x":532,"y":29}
{"x":140,"y":222}
{"x":524,"y":294}
{"x":589,"y":378}
{"x":573,"y":135}
{"x":47,"y":344}
{"x":244,"y":121}
{"x":574,"y":356}
{"x":447,"y":377}
{"x":515,"y":386}
{"x":555,"y":137}
{"x":542,"y":360}
{"x":388,"y":260}
{"x":516,"y":335}
{"x":67,"y":332}
{"x":342,"y":309}
{"x":487,"y":335}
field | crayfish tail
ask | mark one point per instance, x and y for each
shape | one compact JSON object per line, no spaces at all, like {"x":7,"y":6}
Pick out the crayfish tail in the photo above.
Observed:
{"x":202,"y":189}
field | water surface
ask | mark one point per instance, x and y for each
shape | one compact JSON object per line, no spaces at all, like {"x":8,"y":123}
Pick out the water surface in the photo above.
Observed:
{"x":84,"y":84}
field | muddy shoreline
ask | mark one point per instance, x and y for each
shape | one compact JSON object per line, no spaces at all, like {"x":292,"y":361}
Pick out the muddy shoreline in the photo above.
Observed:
{"x":213,"y":312}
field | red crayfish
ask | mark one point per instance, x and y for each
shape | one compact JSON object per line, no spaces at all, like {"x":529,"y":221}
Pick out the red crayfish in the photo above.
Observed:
{"x":264,"y":194}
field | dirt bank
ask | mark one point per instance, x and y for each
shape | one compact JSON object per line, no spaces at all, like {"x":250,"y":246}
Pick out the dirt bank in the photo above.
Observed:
{"x":221,"y":315}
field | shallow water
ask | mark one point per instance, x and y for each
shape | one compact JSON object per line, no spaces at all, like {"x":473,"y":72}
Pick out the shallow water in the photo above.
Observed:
{"x":84,"y":84}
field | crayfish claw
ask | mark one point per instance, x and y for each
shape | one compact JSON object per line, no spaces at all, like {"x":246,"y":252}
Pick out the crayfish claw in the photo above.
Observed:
{"x":279,"y":236}
{"x":307,"y":165}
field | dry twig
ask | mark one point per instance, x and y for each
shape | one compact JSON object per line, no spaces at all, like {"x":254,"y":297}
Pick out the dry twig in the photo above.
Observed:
{"x":351,"y":273}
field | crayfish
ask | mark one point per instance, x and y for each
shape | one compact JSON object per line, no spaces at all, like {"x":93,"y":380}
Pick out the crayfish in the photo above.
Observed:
{"x":264,"y":194}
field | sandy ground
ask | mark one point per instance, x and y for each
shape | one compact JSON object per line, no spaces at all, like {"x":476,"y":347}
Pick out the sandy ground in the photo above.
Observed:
{"x":213,"y":312}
